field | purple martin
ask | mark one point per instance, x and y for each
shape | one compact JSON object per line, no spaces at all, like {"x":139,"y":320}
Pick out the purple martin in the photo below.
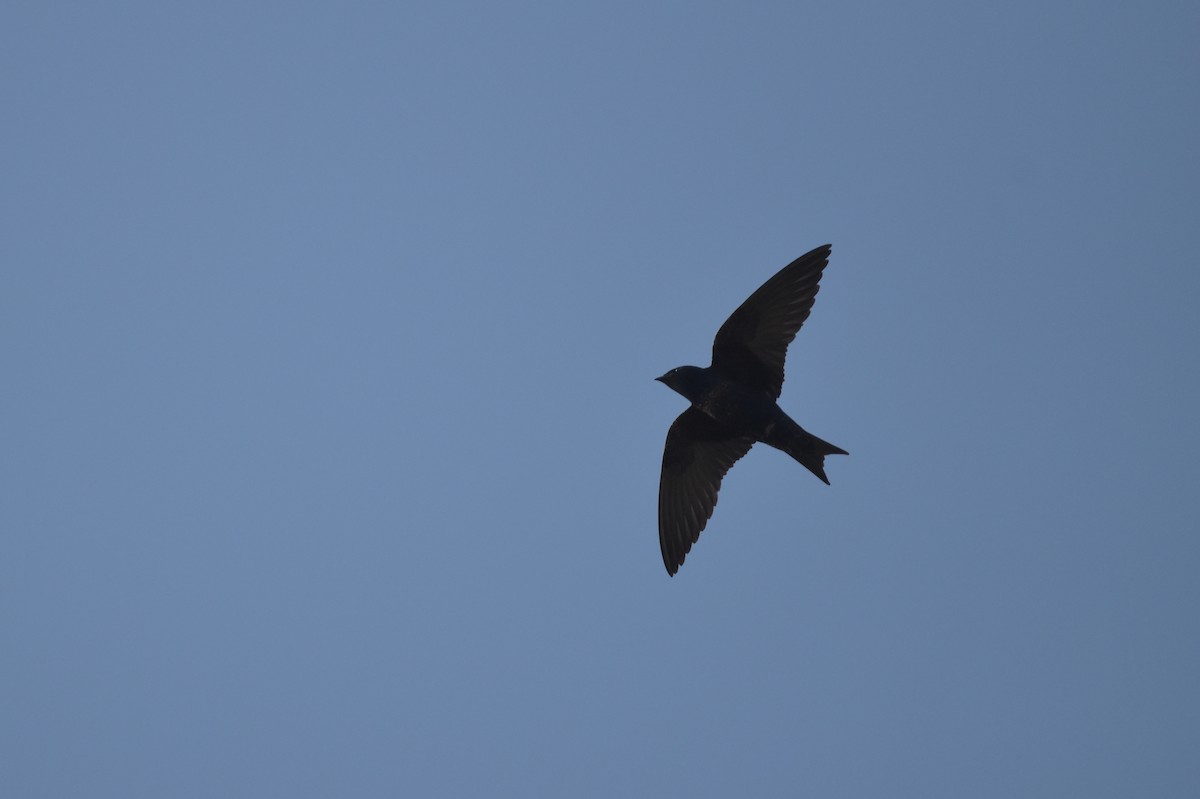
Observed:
{"x":734,"y":404}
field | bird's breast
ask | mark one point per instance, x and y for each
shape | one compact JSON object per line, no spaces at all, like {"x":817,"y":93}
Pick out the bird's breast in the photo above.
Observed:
{"x":744,"y":411}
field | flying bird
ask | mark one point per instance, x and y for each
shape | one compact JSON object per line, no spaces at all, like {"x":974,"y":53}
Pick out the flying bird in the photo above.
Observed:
{"x":734,"y":404}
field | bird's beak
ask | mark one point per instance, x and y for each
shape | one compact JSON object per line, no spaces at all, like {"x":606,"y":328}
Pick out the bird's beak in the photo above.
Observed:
{"x":661,"y":379}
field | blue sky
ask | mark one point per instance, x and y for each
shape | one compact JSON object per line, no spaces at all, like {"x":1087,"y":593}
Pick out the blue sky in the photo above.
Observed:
{"x":331,"y":444}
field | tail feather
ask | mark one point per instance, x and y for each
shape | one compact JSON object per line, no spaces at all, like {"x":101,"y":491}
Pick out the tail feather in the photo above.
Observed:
{"x":810,"y":451}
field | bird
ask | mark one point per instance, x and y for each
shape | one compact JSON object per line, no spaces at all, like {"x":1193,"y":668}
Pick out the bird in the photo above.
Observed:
{"x":734,"y":404}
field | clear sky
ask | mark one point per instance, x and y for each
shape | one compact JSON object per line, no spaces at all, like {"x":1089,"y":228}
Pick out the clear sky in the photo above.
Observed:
{"x":329,"y":440}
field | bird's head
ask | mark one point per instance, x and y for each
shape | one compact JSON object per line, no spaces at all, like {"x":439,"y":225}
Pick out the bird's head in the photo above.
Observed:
{"x":686,"y":380}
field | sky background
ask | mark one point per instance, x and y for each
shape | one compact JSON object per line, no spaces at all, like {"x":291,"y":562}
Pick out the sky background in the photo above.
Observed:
{"x":329,"y":440}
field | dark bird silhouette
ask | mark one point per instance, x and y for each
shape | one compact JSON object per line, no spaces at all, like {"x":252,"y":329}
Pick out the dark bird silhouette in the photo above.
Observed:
{"x":734,"y":405}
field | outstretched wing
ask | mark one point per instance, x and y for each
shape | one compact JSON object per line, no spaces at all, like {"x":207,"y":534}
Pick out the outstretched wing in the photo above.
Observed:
{"x":751,"y":346}
{"x":698,"y":453}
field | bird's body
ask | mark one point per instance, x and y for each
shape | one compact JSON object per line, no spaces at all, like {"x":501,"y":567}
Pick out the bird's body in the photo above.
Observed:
{"x":743,"y":411}
{"x":733,"y":405}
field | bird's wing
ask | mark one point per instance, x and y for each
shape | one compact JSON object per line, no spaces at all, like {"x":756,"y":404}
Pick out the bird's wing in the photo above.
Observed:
{"x":752,"y":344}
{"x":699,"y":452}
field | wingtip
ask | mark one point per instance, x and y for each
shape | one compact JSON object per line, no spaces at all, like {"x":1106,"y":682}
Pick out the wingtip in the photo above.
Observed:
{"x":668,"y":559}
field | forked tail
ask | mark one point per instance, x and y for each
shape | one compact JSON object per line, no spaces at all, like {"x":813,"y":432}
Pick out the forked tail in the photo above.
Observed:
{"x":810,"y":451}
